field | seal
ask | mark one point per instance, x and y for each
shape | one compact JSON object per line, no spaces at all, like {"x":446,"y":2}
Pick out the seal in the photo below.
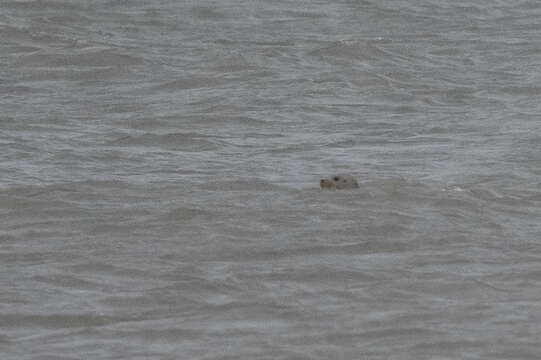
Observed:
{"x":339,"y":181}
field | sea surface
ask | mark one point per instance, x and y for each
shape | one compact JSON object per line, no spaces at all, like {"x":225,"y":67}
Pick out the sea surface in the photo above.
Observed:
{"x":160,"y":165}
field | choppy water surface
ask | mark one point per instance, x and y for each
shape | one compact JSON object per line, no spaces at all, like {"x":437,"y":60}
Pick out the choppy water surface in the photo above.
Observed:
{"x":160,"y":164}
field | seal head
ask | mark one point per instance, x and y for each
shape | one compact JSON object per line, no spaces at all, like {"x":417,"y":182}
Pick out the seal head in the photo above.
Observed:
{"x":339,"y":181}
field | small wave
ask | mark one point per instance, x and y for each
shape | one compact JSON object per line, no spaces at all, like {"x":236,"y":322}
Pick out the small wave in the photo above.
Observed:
{"x":241,"y":185}
{"x":103,"y":57}
{"x":60,"y":321}
{"x":184,"y":141}
{"x":228,"y":64}
{"x":349,"y":50}
{"x":185,"y":213}
{"x":69,"y":281}
{"x":207,"y":13}
{"x":190,"y":83}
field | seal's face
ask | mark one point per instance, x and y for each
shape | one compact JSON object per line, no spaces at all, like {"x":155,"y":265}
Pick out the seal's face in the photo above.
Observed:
{"x":340,"y":181}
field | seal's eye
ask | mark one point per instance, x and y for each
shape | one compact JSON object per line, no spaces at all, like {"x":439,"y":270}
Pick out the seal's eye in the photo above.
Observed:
{"x":336,"y":178}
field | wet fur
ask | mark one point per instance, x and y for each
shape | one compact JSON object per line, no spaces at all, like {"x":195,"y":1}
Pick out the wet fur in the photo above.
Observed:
{"x":339,"y":181}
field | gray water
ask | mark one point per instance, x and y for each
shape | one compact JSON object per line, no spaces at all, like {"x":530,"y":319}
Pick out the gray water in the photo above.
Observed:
{"x":160,"y":166}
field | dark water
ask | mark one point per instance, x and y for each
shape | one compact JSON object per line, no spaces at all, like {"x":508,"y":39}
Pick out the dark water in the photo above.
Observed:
{"x":160,"y":166}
